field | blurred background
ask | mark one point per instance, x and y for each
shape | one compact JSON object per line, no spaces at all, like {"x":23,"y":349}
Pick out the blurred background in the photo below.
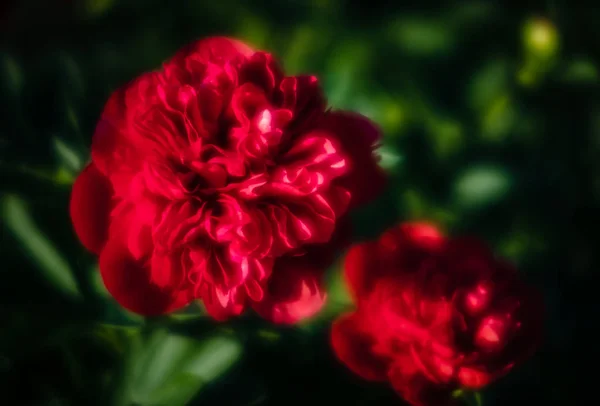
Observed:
{"x":491,"y":117}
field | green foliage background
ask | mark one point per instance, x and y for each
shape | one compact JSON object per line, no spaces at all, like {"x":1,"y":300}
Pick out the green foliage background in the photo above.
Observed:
{"x":491,"y":118}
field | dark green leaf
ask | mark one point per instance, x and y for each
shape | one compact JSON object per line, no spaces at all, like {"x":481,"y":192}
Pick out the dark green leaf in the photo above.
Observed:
{"x":50,"y":262}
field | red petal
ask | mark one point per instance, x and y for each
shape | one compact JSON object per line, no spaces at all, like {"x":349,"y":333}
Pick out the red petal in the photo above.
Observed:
{"x":358,"y":137}
{"x":222,"y":305}
{"x":215,"y":49}
{"x":90,"y":208}
{"x":417,"y":390}
{"x":129,"y":281}
{"x":294,"y":291}
{"x":262,"y":70}
{"x":361,"y":269}
{"x":352,"y":345}
{"x":109,"y":143}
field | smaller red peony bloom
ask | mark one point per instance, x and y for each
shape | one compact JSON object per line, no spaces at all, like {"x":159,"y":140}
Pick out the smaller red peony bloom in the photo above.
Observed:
{"x":219,"y":178}
{"x":434,"y":314}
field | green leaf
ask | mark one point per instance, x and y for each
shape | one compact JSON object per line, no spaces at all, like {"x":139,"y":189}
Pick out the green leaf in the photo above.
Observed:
{"x":338,"y":295}
{"x":481,"y":185}
{"x":581,"y":71}
{"x":11,"y":74}
{"x":487,"y":84}
{"x":305,"y":44}
{"x":50,"y":262}
{"x":166,"y":361}
{"x":499,"y":119}
{"x":344,"y":67}
{"x":178,"y":391}
{"x":446,"y":135}
{"x":213,"y":357}
{"x":423,"y":37}
{"x":391,"y":159}
{"x":255,"y":30}
{"x":66,"y":155}
{"x":96,"y":8}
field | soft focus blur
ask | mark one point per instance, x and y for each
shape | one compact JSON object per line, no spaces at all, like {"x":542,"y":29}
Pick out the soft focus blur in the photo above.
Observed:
{"x":491,"y":122}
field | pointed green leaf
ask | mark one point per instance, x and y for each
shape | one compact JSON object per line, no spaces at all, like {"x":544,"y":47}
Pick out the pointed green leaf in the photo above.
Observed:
{"x":67,"y":156}
{"x":50,"y":262}
{"x":214,"y":357}
{"x":165,"y":361}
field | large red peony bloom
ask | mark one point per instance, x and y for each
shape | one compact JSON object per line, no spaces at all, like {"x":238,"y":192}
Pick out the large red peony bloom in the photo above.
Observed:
{"x":434,"y":315}
{"x":219,"y":178}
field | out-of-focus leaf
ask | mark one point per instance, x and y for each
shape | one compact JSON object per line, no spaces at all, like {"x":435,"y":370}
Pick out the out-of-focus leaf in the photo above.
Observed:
{"x":213,"y":357}
{"x":96,"y":8}
{"x":390,"y":159}
{"x":581,"y":71}
{"x":471,"y":12}
{"x":344,"y":66}
{"x":96,"y":281}
{"x":158,"y":366}
{"x":423,"y":37}
{"x":118,"y":338}
{"x":67,"y":156}
{"x":499,"y":119}
{"x":446,"y":136}
{"x":72,"y":75}
{"x":254,"y":31}
{"x":177,"y":391}
{"x":268,"y":335}
{"x":305,"y":42}
{"x":338,"y":293}
{"x":11,"y":74}
{"x":488,"y":84}
{"x":481,"y":185}
{"x":520,"y":243}
{"x":50,"y":262}
{"x":64,"y":176}
{"x":469,"y":398}
{"x":415,"y":204}
{"x":391,"y":114}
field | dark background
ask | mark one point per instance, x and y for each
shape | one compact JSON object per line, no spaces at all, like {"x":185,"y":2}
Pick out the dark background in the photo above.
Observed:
{"x":491,"y":118}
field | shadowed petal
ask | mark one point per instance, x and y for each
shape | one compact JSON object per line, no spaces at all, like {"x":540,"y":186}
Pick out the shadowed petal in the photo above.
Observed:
{"x":90,"y":207}
{"x":130,"y":282}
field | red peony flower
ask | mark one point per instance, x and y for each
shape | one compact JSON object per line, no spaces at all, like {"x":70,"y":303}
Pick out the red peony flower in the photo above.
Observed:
{"x":434,"y":315}
{"x":219,"y":178}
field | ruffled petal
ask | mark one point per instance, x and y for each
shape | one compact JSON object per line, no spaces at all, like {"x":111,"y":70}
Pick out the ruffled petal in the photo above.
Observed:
{"x":294,"y":291}
{"x":416,"y":389}
{"x":90,"y":208}
{"x":214,"y":49}
{"x":358,"y":137}
{"x":222,"y":305}
{"x":262,"y":70}
{"x":130,"y":282}
{"x":361,"y":270}
{"x":353,"y":346}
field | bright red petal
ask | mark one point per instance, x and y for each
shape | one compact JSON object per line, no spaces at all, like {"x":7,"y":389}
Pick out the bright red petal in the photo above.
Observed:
{"x":358,"y":137}
{"x":129,"y":281}
{"x":294,"y":291}
{"x":222,"y":305}
{"x":353,"y":345}
{"x":90,"y":208}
